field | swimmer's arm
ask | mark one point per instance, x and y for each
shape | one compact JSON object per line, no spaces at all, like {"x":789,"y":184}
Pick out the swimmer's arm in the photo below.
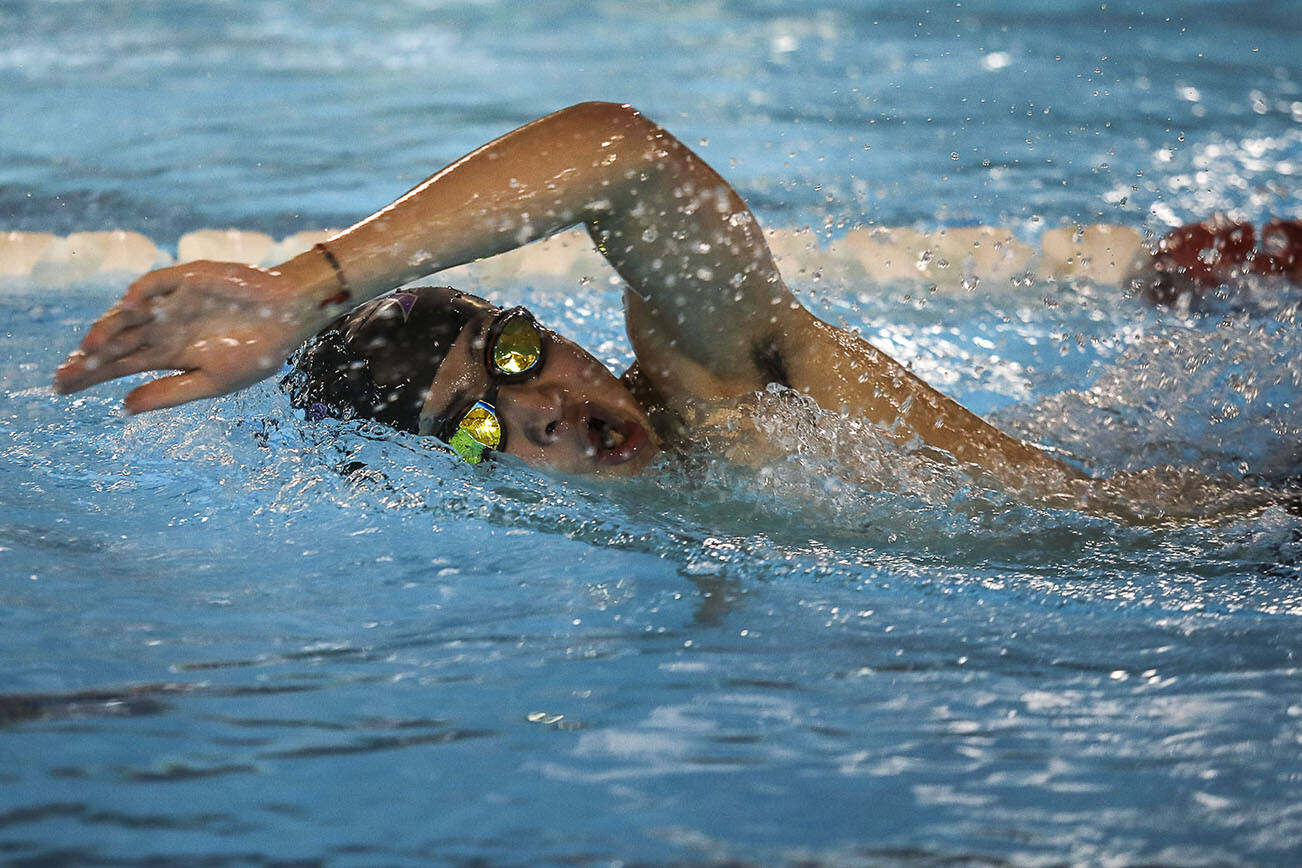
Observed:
{"x":843,"y":372}
{"x":682,"y":238}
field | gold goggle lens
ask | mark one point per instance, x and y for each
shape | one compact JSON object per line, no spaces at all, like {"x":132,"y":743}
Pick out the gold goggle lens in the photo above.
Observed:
{"x":519,"y":346}
{"x":482,"y":424}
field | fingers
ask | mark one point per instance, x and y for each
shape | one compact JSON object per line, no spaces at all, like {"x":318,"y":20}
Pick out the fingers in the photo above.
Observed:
{"x":170,"y":391}
{"x":117,"y":334}
{"x":157,"y":283}
{"x":107,"y":357}
{"x":136,"y":307}
{"x":188,"y":317}
{"x":81,"y":371}
{"x":123,"y":344}
{"x":69,"y":376}
{"x":116,"y":320}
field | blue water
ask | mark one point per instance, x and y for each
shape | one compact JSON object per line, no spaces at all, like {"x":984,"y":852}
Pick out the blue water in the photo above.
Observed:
{"x":225,"y":644}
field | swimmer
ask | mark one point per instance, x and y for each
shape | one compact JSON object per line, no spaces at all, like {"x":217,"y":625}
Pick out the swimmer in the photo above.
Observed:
{"x":708,"y":316}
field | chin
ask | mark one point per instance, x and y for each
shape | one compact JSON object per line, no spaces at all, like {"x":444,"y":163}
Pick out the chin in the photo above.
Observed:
{"x":632,"y":467}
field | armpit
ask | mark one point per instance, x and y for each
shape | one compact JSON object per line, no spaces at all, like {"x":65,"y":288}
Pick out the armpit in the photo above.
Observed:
{"x":769,"y":362}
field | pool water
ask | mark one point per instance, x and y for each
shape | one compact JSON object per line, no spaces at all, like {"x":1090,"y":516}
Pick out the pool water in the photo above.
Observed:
{"x":232,"y":637}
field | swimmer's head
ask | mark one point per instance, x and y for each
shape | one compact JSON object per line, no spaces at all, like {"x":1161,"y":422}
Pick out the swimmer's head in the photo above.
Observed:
{"x":377,"y":362}
{"x":420,"y":360}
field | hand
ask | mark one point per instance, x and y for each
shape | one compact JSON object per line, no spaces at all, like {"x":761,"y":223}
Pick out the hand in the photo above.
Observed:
{"x":224,"y":326}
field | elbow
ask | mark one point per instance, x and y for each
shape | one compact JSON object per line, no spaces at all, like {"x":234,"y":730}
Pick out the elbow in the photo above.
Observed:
{"x":609,"y":115}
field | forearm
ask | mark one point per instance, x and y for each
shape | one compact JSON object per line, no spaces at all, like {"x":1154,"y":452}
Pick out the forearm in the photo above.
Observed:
{"x":507,"y":193}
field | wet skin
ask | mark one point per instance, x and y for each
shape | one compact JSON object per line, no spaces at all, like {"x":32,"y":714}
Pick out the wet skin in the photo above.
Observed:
{"x":574,"y":416}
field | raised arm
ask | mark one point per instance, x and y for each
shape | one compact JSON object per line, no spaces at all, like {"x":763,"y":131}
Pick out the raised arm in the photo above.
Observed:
{"x":669,"y":224}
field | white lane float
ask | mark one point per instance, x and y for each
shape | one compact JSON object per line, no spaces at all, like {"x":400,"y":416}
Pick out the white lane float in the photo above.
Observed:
{"x":225,"y":245}
{"x":950,"y":259}
{"x":45,"y":259}
{"x":20,"y":250}
{"x":1100,"y":253}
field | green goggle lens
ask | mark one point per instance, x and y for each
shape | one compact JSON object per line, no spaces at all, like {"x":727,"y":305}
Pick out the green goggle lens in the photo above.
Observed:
{"x":479,"y":430}
{"x":518,"y":347}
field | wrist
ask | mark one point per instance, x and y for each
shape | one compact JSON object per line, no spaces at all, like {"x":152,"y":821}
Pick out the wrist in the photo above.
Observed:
{"x":344,"y":295}
{"x":319,"y":287}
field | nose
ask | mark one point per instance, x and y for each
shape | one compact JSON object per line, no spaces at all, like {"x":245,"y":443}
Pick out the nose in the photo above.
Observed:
{"x":539,"y":411}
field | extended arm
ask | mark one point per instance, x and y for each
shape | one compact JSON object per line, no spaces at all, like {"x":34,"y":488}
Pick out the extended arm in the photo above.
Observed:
{"x":672,"y":227}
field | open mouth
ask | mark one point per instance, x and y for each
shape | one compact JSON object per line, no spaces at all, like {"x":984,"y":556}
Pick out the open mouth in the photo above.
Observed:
{"x":614,"y":442}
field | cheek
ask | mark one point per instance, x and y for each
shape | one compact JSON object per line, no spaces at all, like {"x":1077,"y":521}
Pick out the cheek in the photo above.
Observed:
{"x":521,"y":446}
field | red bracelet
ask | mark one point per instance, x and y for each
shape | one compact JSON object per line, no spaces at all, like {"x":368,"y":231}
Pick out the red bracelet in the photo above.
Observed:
{"x":344,"y":294}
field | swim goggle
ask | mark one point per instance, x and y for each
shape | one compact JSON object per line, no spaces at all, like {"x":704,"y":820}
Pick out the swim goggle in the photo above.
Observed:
{"x":513,"y":353}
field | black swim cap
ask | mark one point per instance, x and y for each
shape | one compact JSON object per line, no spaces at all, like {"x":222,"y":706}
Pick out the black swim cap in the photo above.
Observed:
{"x":377,"y":362}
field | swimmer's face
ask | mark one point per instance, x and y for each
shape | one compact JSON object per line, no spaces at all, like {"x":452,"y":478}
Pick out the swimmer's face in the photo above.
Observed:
{"x":573,"y":415}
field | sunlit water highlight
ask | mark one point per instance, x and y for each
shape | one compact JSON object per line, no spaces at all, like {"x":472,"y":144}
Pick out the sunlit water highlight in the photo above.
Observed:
{"x":234,"y":637}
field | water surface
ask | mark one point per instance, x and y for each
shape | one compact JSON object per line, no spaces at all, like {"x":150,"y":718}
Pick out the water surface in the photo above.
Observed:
{"x":227,"y":643}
